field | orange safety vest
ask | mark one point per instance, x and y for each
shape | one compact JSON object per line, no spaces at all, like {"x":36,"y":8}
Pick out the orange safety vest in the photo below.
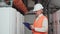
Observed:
{"x":38,"y":24}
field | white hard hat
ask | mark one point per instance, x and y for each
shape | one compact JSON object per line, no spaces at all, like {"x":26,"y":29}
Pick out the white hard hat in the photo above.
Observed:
{"x":38,"y":7}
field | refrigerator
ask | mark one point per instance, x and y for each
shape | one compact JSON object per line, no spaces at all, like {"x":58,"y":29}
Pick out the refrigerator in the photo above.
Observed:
{"x":56,"y":22}
{"x":11,"y":21}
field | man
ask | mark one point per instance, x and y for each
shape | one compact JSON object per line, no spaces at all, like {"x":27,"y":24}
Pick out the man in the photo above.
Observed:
{"x":40,"y":25}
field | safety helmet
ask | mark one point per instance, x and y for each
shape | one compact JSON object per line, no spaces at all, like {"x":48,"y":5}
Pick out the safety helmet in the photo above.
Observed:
{"x":38,"y":7}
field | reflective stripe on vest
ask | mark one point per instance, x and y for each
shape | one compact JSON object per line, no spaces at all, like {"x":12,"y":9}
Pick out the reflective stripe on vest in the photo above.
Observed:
{"x":38,"y":24}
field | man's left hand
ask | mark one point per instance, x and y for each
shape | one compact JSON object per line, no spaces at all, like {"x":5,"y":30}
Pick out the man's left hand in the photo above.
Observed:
{"x":32,"y":27}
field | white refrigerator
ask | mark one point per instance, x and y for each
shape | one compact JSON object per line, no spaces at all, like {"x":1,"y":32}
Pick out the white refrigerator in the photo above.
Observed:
{"x":11,"y":21}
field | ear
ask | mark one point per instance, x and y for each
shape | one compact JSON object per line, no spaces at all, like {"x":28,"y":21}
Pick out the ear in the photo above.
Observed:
{"x":42,"y":11}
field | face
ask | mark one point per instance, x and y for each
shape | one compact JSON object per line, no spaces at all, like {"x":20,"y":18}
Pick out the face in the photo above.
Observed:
{"x":38,"y":12}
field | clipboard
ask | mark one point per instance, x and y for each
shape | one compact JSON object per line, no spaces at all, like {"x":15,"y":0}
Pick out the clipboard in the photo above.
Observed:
{"x":27,"y":25}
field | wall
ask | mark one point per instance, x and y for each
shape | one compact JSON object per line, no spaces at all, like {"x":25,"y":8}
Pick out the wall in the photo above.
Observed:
{"x":30,"y":3}
{"x":55,"y":2}
{"x":29,"y":19}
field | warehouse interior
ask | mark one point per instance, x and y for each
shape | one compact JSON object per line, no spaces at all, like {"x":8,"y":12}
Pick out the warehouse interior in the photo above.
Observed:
{"x":11,"y":19}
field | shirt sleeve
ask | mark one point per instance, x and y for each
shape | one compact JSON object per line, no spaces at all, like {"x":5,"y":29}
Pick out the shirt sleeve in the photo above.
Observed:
{"x":44,"y":26}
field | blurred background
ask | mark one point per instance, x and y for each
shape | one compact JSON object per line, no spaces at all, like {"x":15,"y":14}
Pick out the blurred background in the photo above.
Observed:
{"x":12,"y":15}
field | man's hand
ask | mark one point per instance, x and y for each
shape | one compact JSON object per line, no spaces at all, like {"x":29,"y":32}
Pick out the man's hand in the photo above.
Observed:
{"x":32,"y":27}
